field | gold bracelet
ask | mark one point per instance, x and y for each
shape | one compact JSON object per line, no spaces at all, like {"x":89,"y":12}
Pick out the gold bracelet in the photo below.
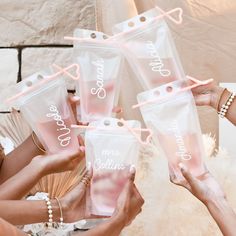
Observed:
{"x":35,"y":143}
{"x":61,"y":217}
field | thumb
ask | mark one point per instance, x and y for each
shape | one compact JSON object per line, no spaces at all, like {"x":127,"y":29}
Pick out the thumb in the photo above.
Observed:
{"x":132,"y":173}
{"x":192,"y":181}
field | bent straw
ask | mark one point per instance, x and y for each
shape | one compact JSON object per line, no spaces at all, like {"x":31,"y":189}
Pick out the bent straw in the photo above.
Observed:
{"x":167,"y":14}
{"x":132,"y":130}
{"x":67,"y":73}
{"x":196,"y":81}
{"x":47,"y":78}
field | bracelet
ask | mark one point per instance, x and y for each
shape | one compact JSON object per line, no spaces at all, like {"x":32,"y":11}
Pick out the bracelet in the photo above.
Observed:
{"x":219,"y":98}
{"x":35,"y":143}
{"x":225,"y":107}
{"x":50,"y":215}
{"x":61,"y":217}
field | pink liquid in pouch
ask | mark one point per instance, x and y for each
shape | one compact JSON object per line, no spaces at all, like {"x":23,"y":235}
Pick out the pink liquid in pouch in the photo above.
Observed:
{"x":149,"y":48}
{"x":45,"y":107}
{"x":101,"y":64}
{"x":57,"y":135}
{"x":111,"y":152}
{"x":174,"y":121}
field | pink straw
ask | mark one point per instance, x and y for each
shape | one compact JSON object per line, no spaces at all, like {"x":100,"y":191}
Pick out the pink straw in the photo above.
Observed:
{"x":196,"y":81}
{"x":132,"y":130}
{"x":67,"y":73}
{"x":46,"y":79}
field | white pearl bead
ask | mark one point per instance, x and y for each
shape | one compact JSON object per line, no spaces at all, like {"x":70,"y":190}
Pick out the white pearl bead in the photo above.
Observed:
{"x":50,"y":220}
{"x":49,"y":207}
{"x":50,"y":211}
{"x":50,"y":215}
{"x":228,"y":103}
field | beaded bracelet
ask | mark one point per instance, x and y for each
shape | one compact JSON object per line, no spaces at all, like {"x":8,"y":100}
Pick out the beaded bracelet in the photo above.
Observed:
{"x":50,"y":215}
{"x":225,"y":107}
{"x":61,"y":217}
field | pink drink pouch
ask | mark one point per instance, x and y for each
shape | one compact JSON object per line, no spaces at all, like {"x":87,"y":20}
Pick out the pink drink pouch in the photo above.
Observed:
{"x":44,"y":104}
{"x":101,"y":64}
{"x":149,"y":48}
{"x":111,"y":149}
{"x":170,"y":111}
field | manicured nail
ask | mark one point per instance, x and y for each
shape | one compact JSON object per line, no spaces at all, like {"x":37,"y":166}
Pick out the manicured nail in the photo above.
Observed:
{"x":82,"y":148}
{"x":182,"y":166}
{"x":132,"y":169}
{"x":75,"y":98}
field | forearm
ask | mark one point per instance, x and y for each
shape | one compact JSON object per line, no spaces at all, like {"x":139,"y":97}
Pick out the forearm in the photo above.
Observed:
{"x":112,"y":227}
{"x":20,"y":184}
{"x":18,"y":159}
{"x":8,"y":229}
{"x":23,"y":212}
{"x":223,"y":215}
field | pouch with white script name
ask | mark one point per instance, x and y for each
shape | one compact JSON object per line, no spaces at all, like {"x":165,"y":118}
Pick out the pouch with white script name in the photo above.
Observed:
{"x":149,"y":48}
{"x":43,"y":101}
{"x":111,"y":150}
{"x":101,"y":64}
{"x":170,"y":111}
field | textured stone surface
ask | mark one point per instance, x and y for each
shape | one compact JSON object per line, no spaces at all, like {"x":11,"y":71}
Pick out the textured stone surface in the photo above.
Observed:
{"x":36,"y":59}
{"x":43,"y":21}
{"x":8,"y":71}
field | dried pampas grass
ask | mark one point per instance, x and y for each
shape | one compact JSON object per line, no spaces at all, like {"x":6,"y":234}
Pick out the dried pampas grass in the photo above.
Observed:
{"x":16,"y":128}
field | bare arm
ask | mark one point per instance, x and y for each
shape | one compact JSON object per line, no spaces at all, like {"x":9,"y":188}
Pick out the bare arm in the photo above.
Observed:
{"x":8,"y":229}
{"x":21,"y":212}
{"x":18,"y":159}
{"x":20,"y":184}
{"x":223,"y":215}
{"x":209,"y":192}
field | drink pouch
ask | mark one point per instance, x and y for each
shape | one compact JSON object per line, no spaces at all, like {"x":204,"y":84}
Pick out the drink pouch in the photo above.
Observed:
{"x":149,"y":48}
{"x":101,"y":64}
{"x":112,"y":147}
{"x":43,"y":101}
{"x":170,"y":111}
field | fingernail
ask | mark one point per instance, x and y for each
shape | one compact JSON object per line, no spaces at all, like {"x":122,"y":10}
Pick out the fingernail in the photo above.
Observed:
{"x":132,"y":169}
{"x":89,"y":166}
{"x":182,"y":166}
{"x":75,"y":98}
{"x":82,"y":148}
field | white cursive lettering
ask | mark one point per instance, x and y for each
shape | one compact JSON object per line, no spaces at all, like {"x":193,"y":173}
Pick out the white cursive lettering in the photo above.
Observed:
{"x":156,"y":62}
{"x":99,"y":91}
{"x":63,"y":138}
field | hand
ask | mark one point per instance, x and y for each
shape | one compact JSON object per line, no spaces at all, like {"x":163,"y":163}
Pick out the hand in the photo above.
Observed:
{"x":74,"y":202}
{"x":205,"y":189}
{"x":64,"y":161}
{"x":129,"y":203}
{"x":207,"y":95}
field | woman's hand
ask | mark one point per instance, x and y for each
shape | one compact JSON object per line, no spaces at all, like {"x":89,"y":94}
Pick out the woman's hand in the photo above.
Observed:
{"x":56,"y":163}
{"x":74,"y":202}
{"x":129,"y":203}
{"x":205,"y":189}
{"x":207,"y":95}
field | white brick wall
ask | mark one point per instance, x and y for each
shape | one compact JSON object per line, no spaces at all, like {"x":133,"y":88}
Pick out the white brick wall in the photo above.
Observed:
{"x":35,"y":29}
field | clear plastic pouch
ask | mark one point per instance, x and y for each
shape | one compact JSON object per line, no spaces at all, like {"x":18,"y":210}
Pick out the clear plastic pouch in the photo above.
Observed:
{"x":101,"y":64}
{"x":149,"y":48}
{"x":111,"y":149}
{"x":43,"y":101}
{"x":170,"y":111}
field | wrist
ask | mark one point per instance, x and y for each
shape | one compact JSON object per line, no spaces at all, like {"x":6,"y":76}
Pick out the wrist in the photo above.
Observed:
{"x":216,"y":96}
{"x":119,"y":220}
{"x":216,"y":203}
{"x":38,"y":166}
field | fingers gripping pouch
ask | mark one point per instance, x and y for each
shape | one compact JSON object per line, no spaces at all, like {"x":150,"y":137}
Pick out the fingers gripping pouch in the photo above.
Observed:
{"x":43,"y":101}
{"x":101,"y":64}
{"x":111,"y":149}
{"x":149,"y":48}
{"x":170,"y":111}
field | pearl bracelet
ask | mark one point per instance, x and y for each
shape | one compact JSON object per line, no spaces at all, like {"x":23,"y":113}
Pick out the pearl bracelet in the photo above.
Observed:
{"x":50,"y":215}
{"x":225,"y":107}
